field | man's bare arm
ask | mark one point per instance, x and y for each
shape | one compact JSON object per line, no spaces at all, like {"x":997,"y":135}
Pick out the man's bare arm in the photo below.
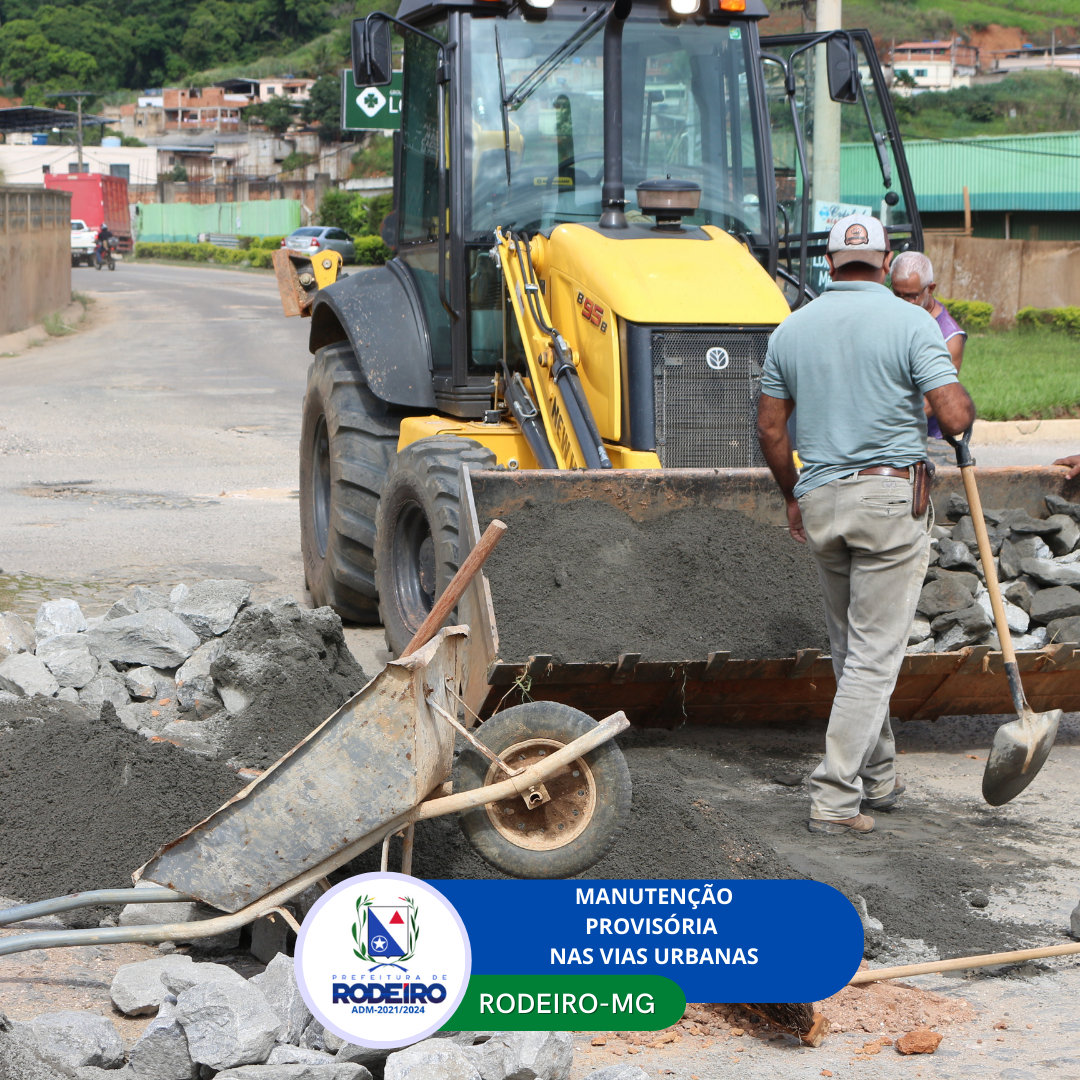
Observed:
{"x":953,"y":407}
{"x":773,"y":415}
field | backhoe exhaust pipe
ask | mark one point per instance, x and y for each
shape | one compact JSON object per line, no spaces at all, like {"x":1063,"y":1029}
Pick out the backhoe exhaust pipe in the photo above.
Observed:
{"x":613,"y":215}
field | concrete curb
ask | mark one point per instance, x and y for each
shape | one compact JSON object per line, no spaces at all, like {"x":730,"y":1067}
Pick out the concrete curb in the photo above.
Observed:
{"x":988,"y":432}
{"x":37,"y":334}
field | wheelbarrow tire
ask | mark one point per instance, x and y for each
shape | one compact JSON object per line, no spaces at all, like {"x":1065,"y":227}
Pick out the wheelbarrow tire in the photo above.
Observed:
{"x":604,"y":787}
{"x":416,"y":530}
{"x":347,"y":440}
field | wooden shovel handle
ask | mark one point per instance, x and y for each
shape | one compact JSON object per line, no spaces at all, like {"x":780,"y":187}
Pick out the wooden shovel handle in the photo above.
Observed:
{"x":456,"y":589}
{"x":993,"y":587}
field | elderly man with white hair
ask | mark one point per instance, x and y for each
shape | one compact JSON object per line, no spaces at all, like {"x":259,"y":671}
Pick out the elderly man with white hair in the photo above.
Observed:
{"x":913,"y":281}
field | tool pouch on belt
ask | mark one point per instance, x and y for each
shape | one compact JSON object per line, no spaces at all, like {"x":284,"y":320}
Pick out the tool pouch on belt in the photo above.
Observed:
{"x":924,"y":481}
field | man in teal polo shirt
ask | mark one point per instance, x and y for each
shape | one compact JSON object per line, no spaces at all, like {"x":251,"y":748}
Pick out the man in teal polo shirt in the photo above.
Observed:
{"x":858,"y":362}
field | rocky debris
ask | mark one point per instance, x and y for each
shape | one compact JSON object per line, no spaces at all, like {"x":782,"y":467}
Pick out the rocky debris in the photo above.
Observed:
{"x":1064,"y":629}
{"x":108,"y":685}
{"x":963,"y":627}
{"x":228,"y":1025}
{"x":17,"y":1058}
{"x":124,"y":606}
{"x":1020,"y":592}
{"x":1067,"y":536}
{"x":179,"y":980}
{"x":522,"y":1055}
{"x":433,"y":1059}
{"x":920,"y":630}
{"x":162,"y":1051}
{"x":1074,"y":923}
{"x":286,"y":1054}
{"x":209,"y":607}
{"x":145,"y":683}
{"x":1060,"y":602}
{"x":24,"y":674}
{"x":920,"y":1041}
{"x":298,"y":1072}
{"x":15,"y":635}
{"x":956,"y":507}
{"x":137,"y":989}
{"x":68,"y":658}
{"x":1016,"y":618}
{"x":279,"y":987}
{"x":155,"y":637}
{"x":58,"y":617}
{"x":942,"y":596}
{"x":1049,"y":572}
{"x":281,"y":672}
{"x":619,"y":1072}
{"x":1057,"y":505}
{"x":146,"y":599}
{"x":954,"y":555}
{"x":71,"y":1039}
{"x":194,"y":683}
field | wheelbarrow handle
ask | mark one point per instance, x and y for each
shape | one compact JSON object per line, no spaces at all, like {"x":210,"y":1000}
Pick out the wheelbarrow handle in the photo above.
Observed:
{"x":456,"y":589}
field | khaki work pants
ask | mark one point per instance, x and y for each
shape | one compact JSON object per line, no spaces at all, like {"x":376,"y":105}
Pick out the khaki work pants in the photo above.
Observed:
{"x":871,"y":557}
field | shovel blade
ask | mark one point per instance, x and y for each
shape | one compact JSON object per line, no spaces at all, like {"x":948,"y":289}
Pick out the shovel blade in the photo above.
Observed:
{"x":1020,"y":748}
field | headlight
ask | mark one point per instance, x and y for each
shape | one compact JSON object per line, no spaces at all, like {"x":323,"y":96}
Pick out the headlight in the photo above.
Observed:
{"x":685,"y":7}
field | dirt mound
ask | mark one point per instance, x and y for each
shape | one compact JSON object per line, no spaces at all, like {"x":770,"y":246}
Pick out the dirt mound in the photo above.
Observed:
{"x":893,"y":1008}
{"x":584,"y":582}
{"x":85,"y":802}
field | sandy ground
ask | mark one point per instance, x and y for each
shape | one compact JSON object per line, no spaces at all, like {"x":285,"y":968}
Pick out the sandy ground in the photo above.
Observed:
{"x":159,"y":445}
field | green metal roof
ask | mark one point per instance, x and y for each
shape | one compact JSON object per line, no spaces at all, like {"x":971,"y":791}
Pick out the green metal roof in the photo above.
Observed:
{"x":1007,"y":172}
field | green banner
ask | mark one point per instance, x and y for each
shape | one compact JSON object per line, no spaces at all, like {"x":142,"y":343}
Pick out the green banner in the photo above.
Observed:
{"x":371,"y":107}
{"x":568,"y":1002}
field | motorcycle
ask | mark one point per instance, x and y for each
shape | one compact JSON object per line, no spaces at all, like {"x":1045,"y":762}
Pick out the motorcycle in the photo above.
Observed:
{"x":103,"y":254}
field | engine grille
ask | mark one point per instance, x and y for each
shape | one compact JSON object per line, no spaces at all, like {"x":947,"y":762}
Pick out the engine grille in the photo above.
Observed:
{"x":706,"y":385}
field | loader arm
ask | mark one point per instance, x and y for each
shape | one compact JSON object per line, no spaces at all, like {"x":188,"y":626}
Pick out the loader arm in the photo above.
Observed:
{"x":567,"y":421}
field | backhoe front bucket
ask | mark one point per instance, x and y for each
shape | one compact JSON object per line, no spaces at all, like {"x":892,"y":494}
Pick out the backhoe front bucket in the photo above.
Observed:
{"x":712,"y":686}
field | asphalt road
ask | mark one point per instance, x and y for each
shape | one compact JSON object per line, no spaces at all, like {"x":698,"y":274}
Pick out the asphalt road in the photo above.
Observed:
{"x":157,"y":444}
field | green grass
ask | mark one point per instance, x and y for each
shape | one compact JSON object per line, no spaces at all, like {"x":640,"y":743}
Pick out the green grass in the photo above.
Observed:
{"x":1023,"y":374}
{"x":55,"y":326}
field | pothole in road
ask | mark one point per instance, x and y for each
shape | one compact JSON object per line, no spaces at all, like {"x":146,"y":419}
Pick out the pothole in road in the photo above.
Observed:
{"x":82,"y":491}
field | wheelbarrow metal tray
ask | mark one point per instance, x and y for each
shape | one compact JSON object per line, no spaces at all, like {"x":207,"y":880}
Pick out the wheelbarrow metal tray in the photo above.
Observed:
{"x":373,"y":760}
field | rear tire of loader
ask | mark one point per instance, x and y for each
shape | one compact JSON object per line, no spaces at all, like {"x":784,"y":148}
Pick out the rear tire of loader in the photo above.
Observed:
{"x":589,"y":800}
{"x":347,"y":441}
{"x":416,"y":530}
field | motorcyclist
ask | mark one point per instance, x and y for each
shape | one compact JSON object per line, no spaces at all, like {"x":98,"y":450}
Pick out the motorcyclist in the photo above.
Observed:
{"x":105,"y":234}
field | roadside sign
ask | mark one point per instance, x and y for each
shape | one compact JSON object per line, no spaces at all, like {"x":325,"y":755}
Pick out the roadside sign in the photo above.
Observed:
{"x":370,"y":107}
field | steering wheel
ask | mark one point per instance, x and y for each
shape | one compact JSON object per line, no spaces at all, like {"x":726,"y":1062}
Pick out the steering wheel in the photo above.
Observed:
{"x":566,"y":163}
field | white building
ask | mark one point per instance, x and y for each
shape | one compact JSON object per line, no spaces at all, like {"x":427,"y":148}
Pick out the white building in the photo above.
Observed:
{"x":29,"y":164}
{"x":934,"y":65}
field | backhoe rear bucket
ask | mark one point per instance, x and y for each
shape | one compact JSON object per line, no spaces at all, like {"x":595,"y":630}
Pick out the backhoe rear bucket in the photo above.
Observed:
{"x":712,"y":687}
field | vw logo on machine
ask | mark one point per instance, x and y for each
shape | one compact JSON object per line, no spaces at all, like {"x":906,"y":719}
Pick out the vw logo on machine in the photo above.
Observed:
{"x":717,"y":358}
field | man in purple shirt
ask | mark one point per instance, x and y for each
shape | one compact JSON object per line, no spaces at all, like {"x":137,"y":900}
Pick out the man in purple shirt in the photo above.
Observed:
{"x":913,"y":281}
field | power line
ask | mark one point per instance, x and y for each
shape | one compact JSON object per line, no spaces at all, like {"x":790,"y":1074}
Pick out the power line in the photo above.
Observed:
{"x":985,"y":146}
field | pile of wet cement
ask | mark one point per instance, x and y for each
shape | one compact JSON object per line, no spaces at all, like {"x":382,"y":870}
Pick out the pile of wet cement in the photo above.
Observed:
{"x":582,"y":581}
{"x":85,"y":802}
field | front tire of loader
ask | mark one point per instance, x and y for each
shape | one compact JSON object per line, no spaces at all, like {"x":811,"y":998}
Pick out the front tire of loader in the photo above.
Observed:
{"x":347,"y":441}
{"x":416,"y":530}
{"x":589,"y":800}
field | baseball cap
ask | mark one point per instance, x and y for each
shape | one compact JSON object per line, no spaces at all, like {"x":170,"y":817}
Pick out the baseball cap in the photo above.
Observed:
{"x":858,"y":238}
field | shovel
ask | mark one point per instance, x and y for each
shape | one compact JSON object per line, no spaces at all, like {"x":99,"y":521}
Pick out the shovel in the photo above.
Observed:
{"x":1022,"y":745}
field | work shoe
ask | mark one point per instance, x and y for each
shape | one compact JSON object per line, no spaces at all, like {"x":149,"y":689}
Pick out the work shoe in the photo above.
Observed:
{"x":861,"y":823}
{"x":887,"y":802}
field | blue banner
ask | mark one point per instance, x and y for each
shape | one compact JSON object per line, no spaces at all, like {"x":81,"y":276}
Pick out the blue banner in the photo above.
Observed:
{"x":719,"y":940}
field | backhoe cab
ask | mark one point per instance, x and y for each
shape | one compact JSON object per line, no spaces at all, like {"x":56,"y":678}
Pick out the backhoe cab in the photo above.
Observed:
{"x":601,"y":211}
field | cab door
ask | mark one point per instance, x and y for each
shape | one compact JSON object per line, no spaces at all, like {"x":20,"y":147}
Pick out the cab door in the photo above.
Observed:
{"x":854,"y":154}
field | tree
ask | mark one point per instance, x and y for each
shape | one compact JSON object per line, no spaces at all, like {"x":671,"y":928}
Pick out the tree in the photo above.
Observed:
{"x":323,"y":107}
{"x":276,"y":115}
{"x":28,"y":58}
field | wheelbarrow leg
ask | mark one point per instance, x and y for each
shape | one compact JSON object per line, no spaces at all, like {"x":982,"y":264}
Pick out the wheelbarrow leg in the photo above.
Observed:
{"x":408,"y":837}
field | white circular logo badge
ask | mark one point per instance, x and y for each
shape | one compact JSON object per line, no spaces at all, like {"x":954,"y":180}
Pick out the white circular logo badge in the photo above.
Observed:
{"x":383,"y":960}
{"x":717,"y":358}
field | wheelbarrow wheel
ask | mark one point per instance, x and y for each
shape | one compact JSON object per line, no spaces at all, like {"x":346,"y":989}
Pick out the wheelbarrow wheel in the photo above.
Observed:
{"x":586,"y":805}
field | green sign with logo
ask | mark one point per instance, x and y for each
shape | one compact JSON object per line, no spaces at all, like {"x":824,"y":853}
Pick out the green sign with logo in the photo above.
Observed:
{"x":370,"y":107}
{"x":569,"y":1002}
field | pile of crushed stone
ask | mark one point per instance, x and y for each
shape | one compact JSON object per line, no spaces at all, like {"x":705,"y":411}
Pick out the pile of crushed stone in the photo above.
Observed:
{"x":582,"y":581}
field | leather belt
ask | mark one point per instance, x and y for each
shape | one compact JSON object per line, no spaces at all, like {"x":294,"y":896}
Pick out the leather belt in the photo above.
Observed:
{"x":886,"y":470}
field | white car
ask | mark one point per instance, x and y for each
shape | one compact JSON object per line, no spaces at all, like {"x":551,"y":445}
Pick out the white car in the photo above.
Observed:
{"x":83,"y":242}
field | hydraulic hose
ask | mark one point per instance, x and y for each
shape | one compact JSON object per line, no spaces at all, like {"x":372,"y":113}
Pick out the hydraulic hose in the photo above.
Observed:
{"x":528,"y":417}
{"x":562,"y":369}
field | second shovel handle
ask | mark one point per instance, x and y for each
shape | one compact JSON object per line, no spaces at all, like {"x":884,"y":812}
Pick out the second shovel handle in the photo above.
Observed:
{"x":993,"y":586}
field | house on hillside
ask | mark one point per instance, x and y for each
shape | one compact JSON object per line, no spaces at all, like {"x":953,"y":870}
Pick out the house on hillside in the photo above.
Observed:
{"x":205,"y":108}
{"x":934,"y":65}
{"x":1036,"y":58}
{"x":1021,"y":187}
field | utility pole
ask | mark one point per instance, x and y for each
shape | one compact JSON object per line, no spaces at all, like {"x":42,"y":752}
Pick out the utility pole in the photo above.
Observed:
{"x":826,"y":171}
{"x":78,"y":95}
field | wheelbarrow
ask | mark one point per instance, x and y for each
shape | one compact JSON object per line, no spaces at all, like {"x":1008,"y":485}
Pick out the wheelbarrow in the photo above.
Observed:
{"x":542,"y":791}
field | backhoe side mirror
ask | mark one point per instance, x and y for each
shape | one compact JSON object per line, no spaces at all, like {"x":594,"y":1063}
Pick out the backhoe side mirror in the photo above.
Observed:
{"x":371,"y":52}
{"x":842,"y":62}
